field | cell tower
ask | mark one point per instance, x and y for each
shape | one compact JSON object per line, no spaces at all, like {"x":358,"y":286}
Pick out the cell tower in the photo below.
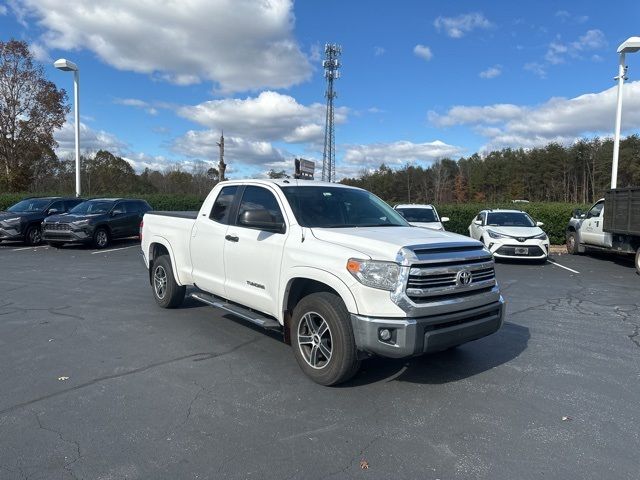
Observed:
{"x":331,"y":65}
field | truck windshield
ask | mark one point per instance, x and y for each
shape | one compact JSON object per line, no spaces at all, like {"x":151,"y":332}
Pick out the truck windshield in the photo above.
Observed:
{"x":338,"y":207}
{"x":92,"y":207}
{"x":30,"y":205}
{"x":509,"y":219}
{"x":426,"y":215}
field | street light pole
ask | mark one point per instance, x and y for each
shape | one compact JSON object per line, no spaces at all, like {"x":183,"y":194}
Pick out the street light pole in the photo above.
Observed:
{"x":76,"y":113}
{"x":68,"y":66}
{"x":630,"y":45}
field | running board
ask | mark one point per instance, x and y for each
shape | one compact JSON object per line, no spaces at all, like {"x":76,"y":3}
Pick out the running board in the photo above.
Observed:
{"x":244,"y":313}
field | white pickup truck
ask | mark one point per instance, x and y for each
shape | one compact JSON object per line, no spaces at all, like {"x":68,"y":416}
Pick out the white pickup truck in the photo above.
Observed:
{"x":335,"y":268}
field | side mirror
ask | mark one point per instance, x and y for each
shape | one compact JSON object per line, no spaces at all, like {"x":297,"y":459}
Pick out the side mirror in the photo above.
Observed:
{"x":539,"y":224}
{"x":577,"y":213}
{"x":478,"y":222}
{"x":444,"y":219}
{"x":116,"y":212}
{"x":260,"y":219}
{"x":583,"y":215}
{"x":52,"y":211}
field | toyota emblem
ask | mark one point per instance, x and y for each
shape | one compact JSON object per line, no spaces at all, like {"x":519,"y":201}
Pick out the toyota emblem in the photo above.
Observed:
{"x":464,"y":277}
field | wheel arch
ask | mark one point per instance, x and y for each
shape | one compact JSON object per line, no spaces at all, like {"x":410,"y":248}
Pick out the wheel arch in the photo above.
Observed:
{"x":159,"y":246}
{"x":305,"y":281}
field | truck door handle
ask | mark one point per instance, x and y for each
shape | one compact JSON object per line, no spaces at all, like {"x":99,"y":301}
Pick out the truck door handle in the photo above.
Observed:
{"x":231,"y":238}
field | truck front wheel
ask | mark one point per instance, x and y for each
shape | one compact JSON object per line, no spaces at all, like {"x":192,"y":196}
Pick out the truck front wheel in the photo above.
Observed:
{"x":572,"y":243}
{"x":166,"y":291}
{"x":322,"y":339}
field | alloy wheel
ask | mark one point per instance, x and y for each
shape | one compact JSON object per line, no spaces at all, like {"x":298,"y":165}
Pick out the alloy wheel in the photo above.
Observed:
{"x":314,"y":340}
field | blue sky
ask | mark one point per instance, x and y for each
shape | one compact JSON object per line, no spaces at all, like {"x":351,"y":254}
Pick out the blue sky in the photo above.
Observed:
{"x":420,"y":80}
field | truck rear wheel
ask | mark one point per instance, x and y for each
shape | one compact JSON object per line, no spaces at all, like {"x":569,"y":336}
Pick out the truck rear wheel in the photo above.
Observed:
{"x":166,"y":291}
{"x":322,"y":339}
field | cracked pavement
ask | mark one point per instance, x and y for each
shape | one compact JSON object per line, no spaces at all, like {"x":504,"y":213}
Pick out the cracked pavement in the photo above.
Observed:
{"x":193,"y":393}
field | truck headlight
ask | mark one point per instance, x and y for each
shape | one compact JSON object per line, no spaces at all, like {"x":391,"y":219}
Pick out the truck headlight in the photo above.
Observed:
{"x":493,"y":234}
{"x":12,"y":221}
{"x":374,"y":274}
{"x":542,"y":236}
{"x":80,"y":223}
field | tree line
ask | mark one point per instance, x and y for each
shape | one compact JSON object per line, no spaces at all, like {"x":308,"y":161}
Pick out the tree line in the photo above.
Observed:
{"x":579,"y":173}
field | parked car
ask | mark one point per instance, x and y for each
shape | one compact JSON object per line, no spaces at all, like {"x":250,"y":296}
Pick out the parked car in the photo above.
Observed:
{"x":333,"y":267}
{"x":615,"y":228}
{"x":23,"y":220}
{"x":420,"y":215}
{"x":96,"y":221}
{"x":510,"y":234}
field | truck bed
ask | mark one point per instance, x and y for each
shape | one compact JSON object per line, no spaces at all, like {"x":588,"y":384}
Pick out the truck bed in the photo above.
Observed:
{"x":622,"y":211}
{"x":186,"y":214}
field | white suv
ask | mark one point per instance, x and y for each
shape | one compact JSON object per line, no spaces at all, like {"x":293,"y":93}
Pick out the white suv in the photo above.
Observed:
{"x":424,"y":216}
{"x":510,"y":234}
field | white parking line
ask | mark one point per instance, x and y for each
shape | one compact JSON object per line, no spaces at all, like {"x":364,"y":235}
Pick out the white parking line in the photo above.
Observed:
{"x":29,"y":248}
{"x":114,"y":249}
{"x":552,"y":262}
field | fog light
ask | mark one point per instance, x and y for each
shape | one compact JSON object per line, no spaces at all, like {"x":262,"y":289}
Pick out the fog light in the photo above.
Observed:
{"x":384,"y":334}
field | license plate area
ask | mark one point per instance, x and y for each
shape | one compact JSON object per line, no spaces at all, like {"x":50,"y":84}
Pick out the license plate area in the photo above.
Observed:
{"x":522,"y":251}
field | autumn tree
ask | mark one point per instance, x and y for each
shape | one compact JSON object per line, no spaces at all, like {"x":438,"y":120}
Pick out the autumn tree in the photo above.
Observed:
{"x":31,"y":108}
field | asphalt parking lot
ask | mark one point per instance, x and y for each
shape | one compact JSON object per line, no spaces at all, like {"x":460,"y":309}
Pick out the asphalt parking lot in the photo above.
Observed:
{"x":97,"y":382}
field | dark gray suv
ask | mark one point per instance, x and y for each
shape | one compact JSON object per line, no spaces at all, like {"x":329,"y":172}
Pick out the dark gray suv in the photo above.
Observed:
{"x":22,"y":220}
{"x":96,"y":222}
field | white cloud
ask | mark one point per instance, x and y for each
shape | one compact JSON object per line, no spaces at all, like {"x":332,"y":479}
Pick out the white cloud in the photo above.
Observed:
{"x":491,"y":72}
{"x":457,"y":27}
{"x":536,"y":68}
{"x":90,"y":140}
{"x":202,"y":144}
{"x":557,"y":120}
{"x":39,"y":52}
{"x":270,"y":116}
{"x":137,"y":103}
{"x":558,"y":51}
{"x":378,"y":51}
{"x":423,"y":51}
{"x":238,"y":44}
{"x":565,"y":16}
{"x":3,"y":10}
{"x":394,"y":154}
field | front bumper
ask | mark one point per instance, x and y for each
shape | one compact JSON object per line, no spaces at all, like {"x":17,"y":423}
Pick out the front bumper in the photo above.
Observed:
{"x":11,"y":233}
{"x":66,"y":236}
{"x":512,"y":248}
{"x":415,"y":336}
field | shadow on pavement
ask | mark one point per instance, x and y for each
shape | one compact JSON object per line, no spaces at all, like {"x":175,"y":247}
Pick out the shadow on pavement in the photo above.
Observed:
{"x":450,"y":366}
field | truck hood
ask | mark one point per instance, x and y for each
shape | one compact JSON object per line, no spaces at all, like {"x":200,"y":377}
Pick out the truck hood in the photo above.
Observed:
{"x":383,"y":243}
{"x":431,"y":225}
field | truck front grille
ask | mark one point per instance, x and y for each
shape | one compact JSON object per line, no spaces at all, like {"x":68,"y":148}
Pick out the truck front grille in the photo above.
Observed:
{"x":450,"y":274}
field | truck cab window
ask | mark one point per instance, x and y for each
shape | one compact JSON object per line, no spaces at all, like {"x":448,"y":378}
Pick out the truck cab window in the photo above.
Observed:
{"x":222,"y":205}
{"x":258,"y":198}
{"x":595,"y":210}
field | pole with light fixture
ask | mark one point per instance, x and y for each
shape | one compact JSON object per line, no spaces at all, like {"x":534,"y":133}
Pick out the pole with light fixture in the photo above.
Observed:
{"x":630,"y":45}
{"x":68,"y":66}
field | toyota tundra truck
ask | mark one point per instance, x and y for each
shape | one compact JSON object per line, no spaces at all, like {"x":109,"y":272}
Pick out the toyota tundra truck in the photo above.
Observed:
{"x":340,"y":273}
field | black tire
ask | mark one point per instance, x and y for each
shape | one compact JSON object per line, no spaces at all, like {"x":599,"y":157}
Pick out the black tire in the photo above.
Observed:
{"x":572,"y":243}
{"x":638,"y":260}
{"x":33,"y":235}
{"x":310,"y":316}
{"x":101,"y":238}
{"x":55,"y":244}
{"x":166,"y":291}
